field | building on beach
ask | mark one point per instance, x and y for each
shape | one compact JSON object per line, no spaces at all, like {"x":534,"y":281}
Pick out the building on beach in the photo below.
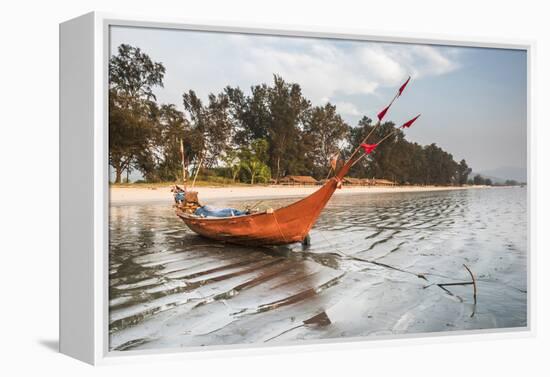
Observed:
{"x":383,"y":182}
{"x":303,"y":180}
{"x":349,"y":181}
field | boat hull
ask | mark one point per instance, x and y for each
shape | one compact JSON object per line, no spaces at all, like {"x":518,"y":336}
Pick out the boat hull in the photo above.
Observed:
{"x":283,"y":226}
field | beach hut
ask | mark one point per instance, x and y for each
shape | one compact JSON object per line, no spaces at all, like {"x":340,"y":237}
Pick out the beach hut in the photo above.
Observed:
{"x":348,"y":181}
{"x":383,"y":182}
{"x":298,"y":180}
{"x":366,"y":182}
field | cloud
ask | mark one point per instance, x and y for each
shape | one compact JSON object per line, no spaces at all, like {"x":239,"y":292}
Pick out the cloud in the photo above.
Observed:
{"x":325,"y":68}
{"x":347,"y":108}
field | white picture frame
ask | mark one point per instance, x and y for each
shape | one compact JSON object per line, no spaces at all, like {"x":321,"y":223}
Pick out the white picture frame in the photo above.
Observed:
{"x":84,"y":188}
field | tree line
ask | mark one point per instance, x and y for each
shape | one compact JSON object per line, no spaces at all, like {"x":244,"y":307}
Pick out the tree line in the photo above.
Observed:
{"x":271,"y":132}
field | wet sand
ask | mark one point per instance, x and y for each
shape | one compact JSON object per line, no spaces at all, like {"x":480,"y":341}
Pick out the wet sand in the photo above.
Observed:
{"x":372,"y":269}
{"x":135,"y":195}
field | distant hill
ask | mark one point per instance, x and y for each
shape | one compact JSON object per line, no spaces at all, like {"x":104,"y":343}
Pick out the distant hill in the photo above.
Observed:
{"x":499,"y":175}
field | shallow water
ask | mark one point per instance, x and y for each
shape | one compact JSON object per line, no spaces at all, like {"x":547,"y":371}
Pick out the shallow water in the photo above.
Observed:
{"x":372,"y":269}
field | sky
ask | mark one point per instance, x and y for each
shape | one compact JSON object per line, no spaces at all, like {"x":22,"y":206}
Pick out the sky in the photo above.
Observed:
{"x":473,"y":101}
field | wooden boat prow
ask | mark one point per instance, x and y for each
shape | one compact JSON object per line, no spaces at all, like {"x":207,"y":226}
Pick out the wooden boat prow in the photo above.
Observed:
{"x":282,"y":226}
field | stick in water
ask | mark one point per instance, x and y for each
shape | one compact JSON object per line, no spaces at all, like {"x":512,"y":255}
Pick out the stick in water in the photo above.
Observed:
{"x":473,"y":282}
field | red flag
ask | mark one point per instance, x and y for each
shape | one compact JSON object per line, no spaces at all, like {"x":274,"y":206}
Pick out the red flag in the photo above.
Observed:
{"x":404,"y":85}
{"x":368,"y":148}
{"x":410,"y":122}
{"x":382,"y":113}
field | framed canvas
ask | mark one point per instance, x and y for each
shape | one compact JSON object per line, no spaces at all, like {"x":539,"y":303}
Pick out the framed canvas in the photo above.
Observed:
{"x":235,"y":188}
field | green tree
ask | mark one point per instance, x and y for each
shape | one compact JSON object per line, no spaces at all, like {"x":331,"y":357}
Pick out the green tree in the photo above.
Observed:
{"x":323,"y":132}
{"x":463,"y":172}
{"x":132,"y":77}
{"x":355,"y":136}
{"x":479,"y":180}
{"x":441,"y":168}
{"x":174,"y":129}
{"x":400,"y":160}
{"x":232,"y":161}
{"x":133,"y":73}
{"x":210,"y":127}
{"x":389,"y":160}
{"x":250,"y":114}
{"x":251,"y":160}
{"x":288,"y":110}
{"x":418,"y":165}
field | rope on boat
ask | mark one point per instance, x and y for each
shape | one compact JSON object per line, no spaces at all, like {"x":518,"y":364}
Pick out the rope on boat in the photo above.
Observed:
{"x":279,"y":227}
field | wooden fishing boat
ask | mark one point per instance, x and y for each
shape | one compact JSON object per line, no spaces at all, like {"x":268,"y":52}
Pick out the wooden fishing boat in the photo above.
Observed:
{"x":288,"y":224}
{"x":282,"y":226}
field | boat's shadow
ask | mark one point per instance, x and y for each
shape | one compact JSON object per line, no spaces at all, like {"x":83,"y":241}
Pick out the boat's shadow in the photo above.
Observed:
{"x":294,"y":252}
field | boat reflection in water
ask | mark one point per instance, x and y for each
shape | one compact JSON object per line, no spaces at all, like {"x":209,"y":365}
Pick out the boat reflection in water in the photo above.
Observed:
{"x":171,"y":288}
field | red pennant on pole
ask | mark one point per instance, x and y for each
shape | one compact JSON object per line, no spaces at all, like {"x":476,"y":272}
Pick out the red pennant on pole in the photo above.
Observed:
{"x":404,"y":85}
{"x":382,"y":113}
{"x":410,"y":122}
{"x":368,"y":148}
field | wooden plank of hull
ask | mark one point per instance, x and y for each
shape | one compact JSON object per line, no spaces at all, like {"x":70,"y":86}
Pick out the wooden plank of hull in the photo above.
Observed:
{"x":283,"y":226}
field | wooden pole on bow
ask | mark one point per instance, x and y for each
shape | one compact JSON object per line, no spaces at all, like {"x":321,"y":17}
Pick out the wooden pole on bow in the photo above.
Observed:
{"x":380,"y":116}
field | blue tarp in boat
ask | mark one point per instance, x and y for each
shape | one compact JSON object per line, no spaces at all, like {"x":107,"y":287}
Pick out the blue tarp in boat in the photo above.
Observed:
{"x":207,"y":211}
{"x":180,"y":196}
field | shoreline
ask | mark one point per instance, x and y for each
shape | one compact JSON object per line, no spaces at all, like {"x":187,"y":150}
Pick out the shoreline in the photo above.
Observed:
{"x":142,"y":195}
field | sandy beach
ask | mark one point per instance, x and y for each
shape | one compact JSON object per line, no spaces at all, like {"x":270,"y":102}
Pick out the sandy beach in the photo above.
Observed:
{"x":133,"y":195}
